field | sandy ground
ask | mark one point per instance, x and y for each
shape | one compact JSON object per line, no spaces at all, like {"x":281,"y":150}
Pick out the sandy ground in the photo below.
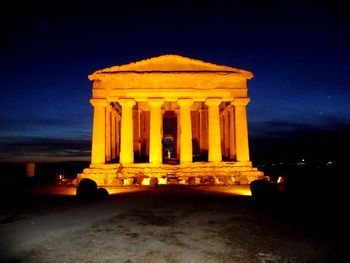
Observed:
{"x":166,"y":225}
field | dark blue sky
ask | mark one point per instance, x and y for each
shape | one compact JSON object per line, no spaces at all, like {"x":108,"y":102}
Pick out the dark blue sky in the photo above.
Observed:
{"x":297,"y":50}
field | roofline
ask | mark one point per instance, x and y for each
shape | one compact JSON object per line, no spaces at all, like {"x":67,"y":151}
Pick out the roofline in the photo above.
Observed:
{"x":221,"y":70}
{"x":101,"y":75}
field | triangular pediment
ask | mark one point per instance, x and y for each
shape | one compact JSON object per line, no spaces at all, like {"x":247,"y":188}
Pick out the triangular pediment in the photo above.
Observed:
{"x":171,"y":63}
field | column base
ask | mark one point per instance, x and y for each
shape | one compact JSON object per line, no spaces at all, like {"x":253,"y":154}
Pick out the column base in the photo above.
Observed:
{"x":198,"y":173}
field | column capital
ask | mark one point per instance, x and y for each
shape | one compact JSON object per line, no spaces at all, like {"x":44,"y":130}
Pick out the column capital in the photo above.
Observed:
{"x":98,"y":102}
{"x":155,"y":102}
{"x":185,"y":102}
{"x":213,"y":101}
{"x":127,"y":102}
{"x":240,"y":101}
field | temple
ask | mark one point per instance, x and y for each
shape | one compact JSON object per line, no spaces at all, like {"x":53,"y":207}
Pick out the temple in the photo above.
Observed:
{"x":170,"y":120}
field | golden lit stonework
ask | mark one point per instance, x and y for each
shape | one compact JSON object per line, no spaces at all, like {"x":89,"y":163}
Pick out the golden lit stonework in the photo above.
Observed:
{"x":170,"y":120}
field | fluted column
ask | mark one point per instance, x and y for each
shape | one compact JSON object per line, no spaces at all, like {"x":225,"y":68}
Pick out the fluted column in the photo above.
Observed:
{"x":126,"y":131}
{"x":214,"y":145}
{"x":108,"y":132}
{"x":113,"y":134}
{"x":178,"y":132}
{"x":185,"y":130}
{"x":98,"y":131}
{"x":222,"y":137}
{"x":203,"y":134}
{"x":242,"y":147}
{"x":155,"y":150}
{"x":117,"y":135}
{"x":226,"y":134}
{"x":232,"y":133}
{"x":139,"y":130}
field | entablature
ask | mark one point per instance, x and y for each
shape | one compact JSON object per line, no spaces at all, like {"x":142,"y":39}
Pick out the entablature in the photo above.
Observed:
{"x":169,"y":81}
{"x":170,"y":94}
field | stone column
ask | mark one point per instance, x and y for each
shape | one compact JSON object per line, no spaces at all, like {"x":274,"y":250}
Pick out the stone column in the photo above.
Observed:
{"x":226,"y":134}
{"x":242,"y":147}
{"x":195,"y":132}
{"x":113,"y":134}
{"x":147,"y":133}
{"x":117,"y":135}
{"x":203,"y":134}
{"x":178,"y":132}
{"x":98,"y":131}
{"x":195,"y":125}
{"x":126,"y":131}
{"x":139,"y":124}
{"x":232,"y":133}
{"x":142,"y":133}
{"x":185,"y":130}
{"x":108,"y":132}
{"x":222,"y":136}
{"x":135,"y":123}
{"x":214,"y":151}
{"x":155,"y":150}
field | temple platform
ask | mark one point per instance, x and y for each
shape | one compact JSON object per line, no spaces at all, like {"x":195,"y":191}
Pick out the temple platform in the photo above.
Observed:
{"x":196,"y":173}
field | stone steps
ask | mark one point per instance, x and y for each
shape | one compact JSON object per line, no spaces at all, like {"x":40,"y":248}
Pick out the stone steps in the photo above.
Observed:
{"x":219,"y":173}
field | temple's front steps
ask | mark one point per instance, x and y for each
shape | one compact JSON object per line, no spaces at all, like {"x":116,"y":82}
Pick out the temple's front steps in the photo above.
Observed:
{"x":197,"y":173}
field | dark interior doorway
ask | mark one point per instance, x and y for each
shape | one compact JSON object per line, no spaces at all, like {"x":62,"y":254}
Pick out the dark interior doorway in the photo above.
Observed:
{"x":170,"y":137}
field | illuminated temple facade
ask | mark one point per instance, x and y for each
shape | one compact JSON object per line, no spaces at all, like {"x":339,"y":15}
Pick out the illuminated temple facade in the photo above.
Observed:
{"x":170,"y":119}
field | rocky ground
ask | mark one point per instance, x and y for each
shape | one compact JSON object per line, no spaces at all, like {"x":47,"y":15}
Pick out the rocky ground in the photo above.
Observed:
{"x":169,"y":225}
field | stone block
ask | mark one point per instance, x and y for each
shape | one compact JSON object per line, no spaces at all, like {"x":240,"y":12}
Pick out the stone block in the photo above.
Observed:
{"x":128,"y":181}
{"x":191,"y":181}
{"x":117,"y":182}
{"x":153,"y":181}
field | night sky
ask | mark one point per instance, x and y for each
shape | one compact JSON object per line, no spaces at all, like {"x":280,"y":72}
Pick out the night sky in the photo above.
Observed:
{"x":297,"y":50}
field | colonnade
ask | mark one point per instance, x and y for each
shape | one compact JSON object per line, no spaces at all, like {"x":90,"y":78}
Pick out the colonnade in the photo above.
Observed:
{"x":223,"y":125}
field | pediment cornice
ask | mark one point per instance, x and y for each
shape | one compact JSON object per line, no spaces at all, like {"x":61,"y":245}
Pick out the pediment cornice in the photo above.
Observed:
{"x":169,"y":64}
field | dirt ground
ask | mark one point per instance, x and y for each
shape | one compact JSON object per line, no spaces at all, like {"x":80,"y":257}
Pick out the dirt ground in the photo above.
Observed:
{"x":172,"y":225}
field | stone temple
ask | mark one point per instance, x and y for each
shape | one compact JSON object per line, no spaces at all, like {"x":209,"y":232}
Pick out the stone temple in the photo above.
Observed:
{"x":170,"y":120}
